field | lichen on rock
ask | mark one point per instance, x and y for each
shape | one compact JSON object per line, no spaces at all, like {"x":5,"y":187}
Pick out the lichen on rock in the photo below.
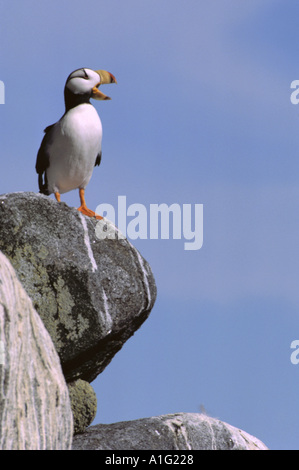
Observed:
{"x":83,"y":403}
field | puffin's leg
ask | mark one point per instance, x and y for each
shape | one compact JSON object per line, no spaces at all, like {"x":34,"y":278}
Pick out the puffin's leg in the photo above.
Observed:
{"x":57,"y":195}
{"x":83,"y":208}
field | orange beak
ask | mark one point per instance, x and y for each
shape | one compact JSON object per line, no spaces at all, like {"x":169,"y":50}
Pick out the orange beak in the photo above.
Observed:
{"x":105,"y":78}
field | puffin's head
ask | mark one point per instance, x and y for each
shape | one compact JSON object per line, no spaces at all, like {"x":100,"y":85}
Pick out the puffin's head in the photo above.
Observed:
{"x":82,"y":84}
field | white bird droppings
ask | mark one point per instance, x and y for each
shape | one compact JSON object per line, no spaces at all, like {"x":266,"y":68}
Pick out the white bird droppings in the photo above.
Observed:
{"x":87,"y":243}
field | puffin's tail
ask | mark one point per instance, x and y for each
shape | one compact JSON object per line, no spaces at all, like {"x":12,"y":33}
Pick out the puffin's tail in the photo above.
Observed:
{"x":42,"y":162}
{"x":43,"y":185}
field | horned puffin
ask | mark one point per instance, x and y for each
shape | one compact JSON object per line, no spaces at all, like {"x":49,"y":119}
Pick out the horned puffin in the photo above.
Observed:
{"x":71,"y":147}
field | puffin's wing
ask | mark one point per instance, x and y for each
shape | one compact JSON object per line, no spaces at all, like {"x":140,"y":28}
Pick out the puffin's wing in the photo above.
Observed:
{"x":98,"y":159}
{"x":43,"y":160}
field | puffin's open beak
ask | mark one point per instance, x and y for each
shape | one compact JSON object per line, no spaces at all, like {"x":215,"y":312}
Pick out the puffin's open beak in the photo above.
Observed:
{"x":106,"y":77}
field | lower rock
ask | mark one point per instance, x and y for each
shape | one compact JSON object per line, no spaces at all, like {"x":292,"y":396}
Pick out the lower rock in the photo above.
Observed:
{"x":84,"y":404}
{"x":180,"y":431}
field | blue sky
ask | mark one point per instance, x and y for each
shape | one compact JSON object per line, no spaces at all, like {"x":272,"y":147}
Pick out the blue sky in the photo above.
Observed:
{"x":201,"y":114}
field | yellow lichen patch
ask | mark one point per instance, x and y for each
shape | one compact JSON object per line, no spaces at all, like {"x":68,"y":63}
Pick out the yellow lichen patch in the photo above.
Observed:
{"x":53,"y":301}
{"x":43,"y":252}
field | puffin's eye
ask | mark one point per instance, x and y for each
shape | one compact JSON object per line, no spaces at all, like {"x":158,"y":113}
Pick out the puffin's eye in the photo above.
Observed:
{"x":85,"y":74}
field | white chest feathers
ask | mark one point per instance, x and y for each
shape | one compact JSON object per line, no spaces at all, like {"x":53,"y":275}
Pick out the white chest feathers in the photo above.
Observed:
{"x":75,"y":143}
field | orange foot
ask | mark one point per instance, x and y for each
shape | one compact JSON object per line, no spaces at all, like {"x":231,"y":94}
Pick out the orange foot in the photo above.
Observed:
{"x":88,"y":212}
{"x":84,"y":209}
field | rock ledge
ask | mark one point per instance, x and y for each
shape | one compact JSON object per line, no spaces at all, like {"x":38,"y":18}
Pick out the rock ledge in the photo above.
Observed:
{"x":179,"y":431}
{"x":91,"y":292}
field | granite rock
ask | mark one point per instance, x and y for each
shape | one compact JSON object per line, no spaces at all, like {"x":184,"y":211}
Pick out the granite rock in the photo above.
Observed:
{"x":92,"y":291}
{"x":35,"y":410}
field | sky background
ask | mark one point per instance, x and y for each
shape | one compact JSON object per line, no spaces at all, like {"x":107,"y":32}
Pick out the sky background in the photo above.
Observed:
{"x":201,"y":114}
